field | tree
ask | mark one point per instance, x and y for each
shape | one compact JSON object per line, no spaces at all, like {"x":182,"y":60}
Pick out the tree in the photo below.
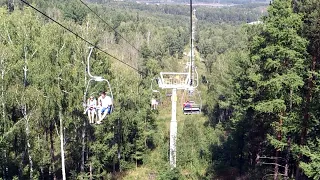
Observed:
{"x":280,"y":53}
{"x":310,"y":11}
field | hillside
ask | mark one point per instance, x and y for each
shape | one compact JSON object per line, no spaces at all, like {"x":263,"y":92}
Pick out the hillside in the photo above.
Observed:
{"x":63,"y":61}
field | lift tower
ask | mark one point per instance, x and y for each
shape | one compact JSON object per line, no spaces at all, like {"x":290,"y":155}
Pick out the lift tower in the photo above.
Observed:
{"x":179,"y":81}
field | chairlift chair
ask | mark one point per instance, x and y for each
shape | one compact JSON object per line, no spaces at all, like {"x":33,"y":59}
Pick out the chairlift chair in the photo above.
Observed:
{"x":155,"y":95}
{"x":192,"y":103}
{"x":98,"y":79}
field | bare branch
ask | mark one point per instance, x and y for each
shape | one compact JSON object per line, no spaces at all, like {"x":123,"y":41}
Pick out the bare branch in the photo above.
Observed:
{"x":272,"y":164}
{"x":65,"y":91}
{"x":64,"y":43}
{"x":10,"y":41}
{"x":55,"y":124}
{"x":39,"y":91}
{"x":33,"y":54}
{"x":60,"y":49}
{"x":265,"y":157}
{"x":12,"y":128}
{"x":271,"y":175}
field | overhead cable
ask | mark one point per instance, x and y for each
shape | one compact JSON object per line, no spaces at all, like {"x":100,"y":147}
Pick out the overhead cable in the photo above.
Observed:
{"x":78,"y":36}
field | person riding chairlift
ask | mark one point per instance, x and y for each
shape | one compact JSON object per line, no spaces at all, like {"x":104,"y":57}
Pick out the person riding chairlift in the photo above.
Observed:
{"x":187,"y":104}
{"x":91,"y":106}
{"x":105,"y":106}
{"x":154,"y":103}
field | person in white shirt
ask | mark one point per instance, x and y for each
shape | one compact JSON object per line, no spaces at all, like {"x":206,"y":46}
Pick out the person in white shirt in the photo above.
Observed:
{"x":105,"y":103}
{"x":154,"y":103}
{"x":91,"y":106}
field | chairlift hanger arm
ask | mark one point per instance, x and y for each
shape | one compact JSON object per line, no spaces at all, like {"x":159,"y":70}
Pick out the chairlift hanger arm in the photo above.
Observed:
{"x":111,"y":94}
{"x":88,"y":61}
{"x":95,"y":78}
{"x":86,"y":92}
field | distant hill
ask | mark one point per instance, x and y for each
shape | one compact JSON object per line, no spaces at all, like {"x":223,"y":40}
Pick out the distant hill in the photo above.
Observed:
{"x":222,"y":1}
{"x":194,"y":1}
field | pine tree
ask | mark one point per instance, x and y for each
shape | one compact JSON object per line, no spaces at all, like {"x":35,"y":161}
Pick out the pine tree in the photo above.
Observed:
{"x":309,"y":133}
{"x":280,"y":53}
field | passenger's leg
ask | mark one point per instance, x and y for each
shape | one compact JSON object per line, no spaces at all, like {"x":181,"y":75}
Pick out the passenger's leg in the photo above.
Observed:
{"x":104,"y":114}
{"x":85,"y":111}
{"x":89,"y":116}
{"x":99,"y":115}
{"x":92,"y":115}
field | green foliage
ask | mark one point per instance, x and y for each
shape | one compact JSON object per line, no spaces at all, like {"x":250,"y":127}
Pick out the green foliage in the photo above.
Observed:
{"x":312,"y":168}
{"x":267,"y":95}
{"x":56,"y":63}
{"x":280,"y":53}
{"x":75,"y":11}
{"x":171,"y":175}
{"x":228,"y":15}
{"x":255,"y":82}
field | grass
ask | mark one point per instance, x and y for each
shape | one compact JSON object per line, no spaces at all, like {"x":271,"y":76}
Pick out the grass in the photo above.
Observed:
{"x":157,"y":160}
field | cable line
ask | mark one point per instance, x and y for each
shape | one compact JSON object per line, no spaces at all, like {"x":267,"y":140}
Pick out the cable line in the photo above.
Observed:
{"x":78,"y":36}
{"x":109,"y":25}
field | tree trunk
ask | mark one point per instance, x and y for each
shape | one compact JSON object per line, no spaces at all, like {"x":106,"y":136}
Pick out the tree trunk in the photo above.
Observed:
{"x":276,"y":167}
{"x":91,"y":171}
{"x":25,"y":69}
{"x":241,"y":159}
{"x":146,"y":128}
{"x":21,"y":165}
{"x":2,"y":95}
{"x":306,"y":115}
{"x":28,"y":147}
{"x":308,"y":100}
{"x":53,"y":170}
{"x":17,"y":155}
{"x":61,"y":146}
{"x":4,"y":125}
{"x":83,"y":146}
{"x":5,"y":168}
{"x":286,"y":169}
{"x":119,"y":144}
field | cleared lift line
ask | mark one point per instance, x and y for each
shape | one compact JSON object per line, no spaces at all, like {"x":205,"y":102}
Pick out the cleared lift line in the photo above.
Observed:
{"x":80,"y":37}
{"x":180,"y":81}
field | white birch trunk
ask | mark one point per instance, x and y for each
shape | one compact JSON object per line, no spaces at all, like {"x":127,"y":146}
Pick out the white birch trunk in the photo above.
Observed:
{"x":26,"y":115}
{"x":2,"y":91}
{"x":61,"y":146}
{"x":83,"y":146}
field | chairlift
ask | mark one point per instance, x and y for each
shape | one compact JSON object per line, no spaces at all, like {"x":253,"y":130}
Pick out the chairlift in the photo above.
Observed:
{"x":155,"y":95}
{"x":191,"y":101}
{"x":168,"y":93}
{"x":98,"y":79}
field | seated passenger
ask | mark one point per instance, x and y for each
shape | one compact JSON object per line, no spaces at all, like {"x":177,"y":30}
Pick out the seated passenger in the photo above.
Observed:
{"x":91,"y":107}
{"x":187,"y":105}
{"x":105,"y":106}
{"x":154,"y":103}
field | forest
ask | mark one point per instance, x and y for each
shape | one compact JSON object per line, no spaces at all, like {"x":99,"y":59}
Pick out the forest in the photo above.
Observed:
{"x":258,"y":83}
{"x":204,"y":1}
